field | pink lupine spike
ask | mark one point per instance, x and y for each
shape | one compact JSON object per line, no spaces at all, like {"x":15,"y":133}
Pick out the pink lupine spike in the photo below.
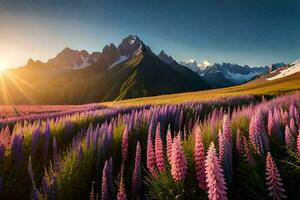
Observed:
{"x":298,"y":144}
{"x":199,"y":157}
{"x":159,"y":152}
{"x":226,"y":127}
{"x":179,"y":163}
{"x":104,"y":187}
{"x":125,"y":144}
{"x":239,"y":144}
{"x":289,"y":139}
{"x":169,"y":145}
{"x":150,"y":155}
{"x":121,"y":186}
{"x":247,"y":150}
{"x":214,"y":176}
{"x":273,"y":180}
{"x":270,"y":123}
{"x":293,"y":127}
{"x":136,"y":176}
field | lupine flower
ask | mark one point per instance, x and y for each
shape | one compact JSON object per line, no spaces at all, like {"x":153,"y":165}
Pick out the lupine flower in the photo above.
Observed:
{"x":289,"y":139}
{"x":56,"y":162}
{"x":239,"y":144}
{"x":293,"y":127}
{"x":159,"y":154}
{"x":257,"y":134}
{"x":169,"y":145}
{"x":226,"y":128}
{"x":110,"y":175}
{"x":46,"y":140}
{"x":199,"y":157}
{"x":104,"y":187}
{"x":225,"y":155}
{"x":136,"y":176}
{"x":150,"y":155}
{"x":17,"y":149}
{"x":125,"y":144}
{"x":121,"y":186}
{"x":273,"y":179}
{"x":249,"y":156}
{"x":179,"y":163}
{"x":214,"y":176}
{"x":270,"y":123}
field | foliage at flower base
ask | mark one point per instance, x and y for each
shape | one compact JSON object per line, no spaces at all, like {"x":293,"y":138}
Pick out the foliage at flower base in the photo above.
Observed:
{"x":240,"y":147}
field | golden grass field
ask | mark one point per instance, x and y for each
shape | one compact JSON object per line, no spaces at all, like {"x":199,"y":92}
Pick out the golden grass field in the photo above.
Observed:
{"x":258,"y":87}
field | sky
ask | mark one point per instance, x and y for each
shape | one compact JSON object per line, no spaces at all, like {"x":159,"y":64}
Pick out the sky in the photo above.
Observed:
{"x":252,"y":32}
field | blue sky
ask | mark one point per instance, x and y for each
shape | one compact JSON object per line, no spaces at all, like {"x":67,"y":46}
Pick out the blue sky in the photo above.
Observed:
{"x":253,"y":32}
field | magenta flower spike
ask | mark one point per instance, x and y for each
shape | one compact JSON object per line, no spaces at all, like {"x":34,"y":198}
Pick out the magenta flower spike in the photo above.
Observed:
{"x":270,"y":123}
{"x":125,"y":144}
{"x":273,"y":180}
{"x":121,"y":186}
{"x":104,"y":187}
{"x":179,"y":163}
{"x":159,"y":151}
{"x":136,"y":176}
{"x":199,"y":157}
{"x":293,"y":127}
{"x":216,"y":186}
{"x":150,"y":155}
{"x":289,"y":139}
{"x":169,"y":145}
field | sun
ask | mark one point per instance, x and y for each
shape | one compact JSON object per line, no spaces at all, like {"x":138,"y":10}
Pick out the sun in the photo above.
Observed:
{"x":2,"y":67}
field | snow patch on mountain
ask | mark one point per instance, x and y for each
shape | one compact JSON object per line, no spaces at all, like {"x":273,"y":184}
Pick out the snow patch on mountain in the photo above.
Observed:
{"x":240,"y":78}
{"x":294,"y":68}
{"x":85,"y":63}
{"x":120,"y":60}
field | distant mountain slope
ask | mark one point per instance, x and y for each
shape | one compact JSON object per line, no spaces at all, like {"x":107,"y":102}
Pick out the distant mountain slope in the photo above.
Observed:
{"x":128,"y":71}
{"x":261,"y":86}
{"x":227,"y":74}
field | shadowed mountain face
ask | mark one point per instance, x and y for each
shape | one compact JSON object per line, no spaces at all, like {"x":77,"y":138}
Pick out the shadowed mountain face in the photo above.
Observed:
{"x":72,"y":77}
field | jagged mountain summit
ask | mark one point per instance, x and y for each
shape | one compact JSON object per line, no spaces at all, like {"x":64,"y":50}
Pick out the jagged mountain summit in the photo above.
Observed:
{"x":125,"y":71}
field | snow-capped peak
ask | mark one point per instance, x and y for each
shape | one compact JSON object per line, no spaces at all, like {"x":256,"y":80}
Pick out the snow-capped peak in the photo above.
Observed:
{"x":195,"y":66}
{"x":292,"y":69}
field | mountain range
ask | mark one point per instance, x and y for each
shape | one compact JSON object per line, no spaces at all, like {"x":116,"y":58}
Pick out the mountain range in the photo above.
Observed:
{"x":129,"y":70}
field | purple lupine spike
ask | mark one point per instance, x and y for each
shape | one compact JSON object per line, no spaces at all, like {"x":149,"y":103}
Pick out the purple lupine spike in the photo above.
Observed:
{"x":199,"y":157}
{"x":150,"y":155}
{"x":92,"y":194}
{"x":297,"y":117}
{"x":56,"y":162}
{"x":293,"y":127}
{"x":180,"y":121}
{"x":136,"y":176}
{"x":225,"y":156}
{"x":159,"y":154}
{"x":298,"y":144}
{"x":214,"y":176}
{"x":125,"y":144}
{"x":169,"y":145}
{"x":30,"y":171}
{"x":17,"y":149}
{"x":239,"y":144}
{"x":179,"y":162}
{"x":46,"y":187}
{"x":289,"y":139}
{"x":121,"y":186}
{"x":53,"y":187}
{"x":273,"y":180}
{"x":110,"y":175}
{"x":104,"y":187}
